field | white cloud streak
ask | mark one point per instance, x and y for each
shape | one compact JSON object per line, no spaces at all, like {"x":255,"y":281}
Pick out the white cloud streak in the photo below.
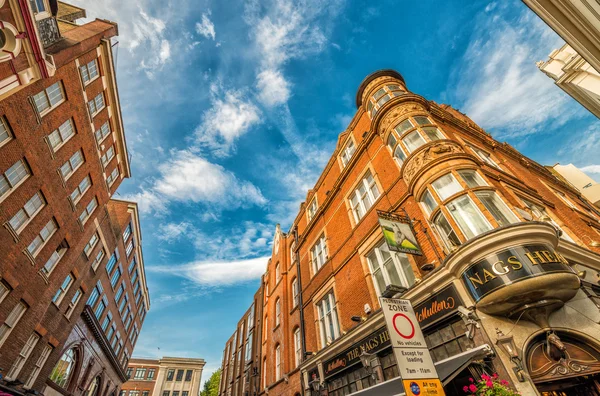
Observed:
{"x":217,"y":273}
{"x":230,"y":116}
{"x":498,"y":81}
{"x":591,"y":169}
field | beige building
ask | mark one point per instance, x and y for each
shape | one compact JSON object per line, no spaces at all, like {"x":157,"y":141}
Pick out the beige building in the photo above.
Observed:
{"x":588,"y":186}
{"x":168,"y":376}
{"x":576,"y":21}
{"x":575,"y":76}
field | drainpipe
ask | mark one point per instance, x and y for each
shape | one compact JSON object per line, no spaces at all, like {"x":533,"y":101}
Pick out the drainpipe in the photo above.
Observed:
{"x":33,"y":40}
{"x":300,"y":301}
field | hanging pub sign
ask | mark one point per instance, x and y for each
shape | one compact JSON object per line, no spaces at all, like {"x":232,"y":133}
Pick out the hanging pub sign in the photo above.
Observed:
{"x":398,"y":233}
{"x":512,"y":265}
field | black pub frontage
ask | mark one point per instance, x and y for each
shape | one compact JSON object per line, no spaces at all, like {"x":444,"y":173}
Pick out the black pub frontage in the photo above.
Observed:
{"x":364,"y":357}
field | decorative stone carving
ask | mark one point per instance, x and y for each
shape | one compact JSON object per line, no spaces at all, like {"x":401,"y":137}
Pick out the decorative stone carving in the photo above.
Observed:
{"x":393,"y":116}
{"x":426,"y":154}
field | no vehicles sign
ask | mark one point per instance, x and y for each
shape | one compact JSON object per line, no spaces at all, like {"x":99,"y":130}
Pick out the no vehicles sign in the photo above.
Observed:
{"x":412,"y":355}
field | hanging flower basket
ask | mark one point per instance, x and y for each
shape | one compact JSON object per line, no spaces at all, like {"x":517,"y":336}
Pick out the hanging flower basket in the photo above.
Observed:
{"x":489,"y":386}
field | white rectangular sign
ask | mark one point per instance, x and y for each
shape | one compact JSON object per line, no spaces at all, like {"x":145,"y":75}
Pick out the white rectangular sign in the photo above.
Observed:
{"x":412,"y":355}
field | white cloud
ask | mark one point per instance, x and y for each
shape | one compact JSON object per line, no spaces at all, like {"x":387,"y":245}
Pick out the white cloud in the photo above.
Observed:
{"x":165,"y":51}
{"x":499,"y":82}
{"x":217,"y":273}
{"x":171,"y":232}
{"x":231,"y":115}
{"x":206,"y":28}
{"x":188,"y":178}
{"x":591,"y":168}
{"x":272,"y":87}
{"x":289,"y":30}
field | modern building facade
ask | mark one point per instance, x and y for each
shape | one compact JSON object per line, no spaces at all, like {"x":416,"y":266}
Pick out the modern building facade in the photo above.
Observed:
{"x":168,"y":376}
{"x":588,"y":186}
{"x":73,"y":293}
{"x":499,"y":257}
{"x":576,"y":21}
{"x":575,"y":76}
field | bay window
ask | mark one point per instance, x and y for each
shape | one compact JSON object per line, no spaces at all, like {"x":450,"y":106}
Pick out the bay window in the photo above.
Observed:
{"x":329,"y":328}
{"x":497,"y":208}
{"x":433,"y":133}
{"x":446,"y":231}
{"x":389,"y":268}
{"x":422,"y":120}
{"x":468,"y":217}
{"x":428,"y":202}
{"x":399,"y":155}
{"x":364,"y":196}
{"x":382,"y":96}
{"x":471,"y":178}
{"x":446,"y":186}
{"x":413,"y":141}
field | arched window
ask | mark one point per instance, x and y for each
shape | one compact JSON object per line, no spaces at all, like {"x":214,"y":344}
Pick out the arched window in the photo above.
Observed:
{"x":411,"y":134}
{"x":61,"y":374}
{"x":94,"y":387}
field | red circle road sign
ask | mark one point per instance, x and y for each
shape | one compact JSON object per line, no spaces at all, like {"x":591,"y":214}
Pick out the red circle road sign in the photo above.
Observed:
{"x":412,"y":326}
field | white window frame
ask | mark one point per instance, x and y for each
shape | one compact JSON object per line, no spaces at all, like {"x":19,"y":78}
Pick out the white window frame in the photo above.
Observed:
{"x":73,"y":303}
{"x":87,"y":211}
{"x":29,"y":216}
{"x":277,"y":273}
{"x":113,"y":176}
{"x":6,"y":180}
{"x":360,"y":209}
{"x":92,"y":243}
{"x":39,"y":364}
{"x":5,"y":132}
{"x":297,"y":348}
{"x":98,"y":259}
{"x":319,"y":254}
{"x":347,"y":152}
{"x":395,"y":257}
{"x":56,"y":256}
{"x":12,"y":320}
{"x":44,"y":94}
{"x":277,"y":311}
{"x":43,"y":238}
{"x":58,"y":132}
{"x":484,"y":156}
{"x":278,"y":362}
{"x":69,"y":162}
{"x":80,"y":192}
{"x":94,"y":103}
{"x":24,"y":354}
{"x":500,"y":204}
{"x":472,"y":225}
{"x":108,"y":156}
{"x":328,"y":319}
{"x":295,"y":292}
{"x":63,"y":289}
{"x":4,"y":290}
{"x":312,"y":208}
{"x":103,"y":132}
{"x":84,"y":71}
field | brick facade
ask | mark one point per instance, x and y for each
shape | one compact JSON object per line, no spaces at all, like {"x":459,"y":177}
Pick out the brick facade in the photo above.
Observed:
{"x":31,"y":276}
{"x":352,"y":239}
{"x":168,"y":376}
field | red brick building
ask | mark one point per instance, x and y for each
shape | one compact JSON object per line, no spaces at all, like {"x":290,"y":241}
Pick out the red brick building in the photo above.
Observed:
{"x":167,"y":376}
{"x":73,"y":292}
{"x":509,"y":256}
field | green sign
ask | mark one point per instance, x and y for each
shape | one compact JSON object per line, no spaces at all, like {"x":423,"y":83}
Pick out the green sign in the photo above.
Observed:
{"x":398,"y":233}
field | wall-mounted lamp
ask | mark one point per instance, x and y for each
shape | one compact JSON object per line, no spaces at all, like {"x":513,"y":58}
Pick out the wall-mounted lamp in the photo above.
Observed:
{"x":393,"y":291}
{"x":427,"y":267}
{"x":367,"y":361}
{"x":358,"y":319}
{"x":507,"y":344}
{"x":315,"y":385}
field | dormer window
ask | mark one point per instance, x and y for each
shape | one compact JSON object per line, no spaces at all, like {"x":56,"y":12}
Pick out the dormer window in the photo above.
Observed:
{"x":381,"y":96}
{"x":312,"y":209}
{"x":347,"y":152}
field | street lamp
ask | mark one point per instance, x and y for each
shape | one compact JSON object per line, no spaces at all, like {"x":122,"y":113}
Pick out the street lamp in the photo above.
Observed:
{"x":316,"y":384}
{"x":507,"y":344}
{"x":366,"y":359}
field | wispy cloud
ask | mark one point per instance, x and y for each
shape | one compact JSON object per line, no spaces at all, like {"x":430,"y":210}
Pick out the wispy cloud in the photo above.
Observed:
{"x":591,"y":168}
{"x":497,"y":79}
{"x":189,"y":178}
{"x":206,"y":27}
{"x":273,"y":88}
{"x":217,"y":273}
{"x":231,"y":114}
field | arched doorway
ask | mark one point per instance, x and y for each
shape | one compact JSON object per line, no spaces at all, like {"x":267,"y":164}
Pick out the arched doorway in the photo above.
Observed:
{"x":562,"y":364}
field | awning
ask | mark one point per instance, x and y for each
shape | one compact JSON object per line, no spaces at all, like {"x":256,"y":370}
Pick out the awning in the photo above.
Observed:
{"x":447,"y":369}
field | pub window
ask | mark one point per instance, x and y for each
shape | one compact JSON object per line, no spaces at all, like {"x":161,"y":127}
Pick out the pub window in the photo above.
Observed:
{"x":389,"y":268}
{"x":448,"y":340}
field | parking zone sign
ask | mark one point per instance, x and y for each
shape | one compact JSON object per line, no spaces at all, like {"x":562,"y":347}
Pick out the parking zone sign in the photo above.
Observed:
{"x":412,"y":355}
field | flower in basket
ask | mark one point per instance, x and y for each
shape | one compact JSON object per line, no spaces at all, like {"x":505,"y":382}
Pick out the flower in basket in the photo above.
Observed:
{"x":489,"y":386}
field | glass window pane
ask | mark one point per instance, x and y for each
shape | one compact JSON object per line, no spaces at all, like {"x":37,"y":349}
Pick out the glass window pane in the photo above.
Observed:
{"x":391,"y":142}
{"x":433,"y":133}
{"x":446,"y":186}
{"x":430,"y":203}
{"x":468,"y":217}
{"x":403,"y":127}
{"x":471,"y":178}
{"x":497,"y":208}
{"x":446,"y":231}
{"x":413,"y":141}
{"x":422,"y":120}
{"x":399,"y":155}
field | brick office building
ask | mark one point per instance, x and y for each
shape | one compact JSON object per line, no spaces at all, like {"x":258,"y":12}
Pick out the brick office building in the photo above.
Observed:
{"x":168,"y":376}
{"x":73,"y":292}
{"x":502,"y":238}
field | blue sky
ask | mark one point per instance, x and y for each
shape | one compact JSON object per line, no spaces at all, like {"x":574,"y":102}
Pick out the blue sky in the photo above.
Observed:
{"x":232,"y":109}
